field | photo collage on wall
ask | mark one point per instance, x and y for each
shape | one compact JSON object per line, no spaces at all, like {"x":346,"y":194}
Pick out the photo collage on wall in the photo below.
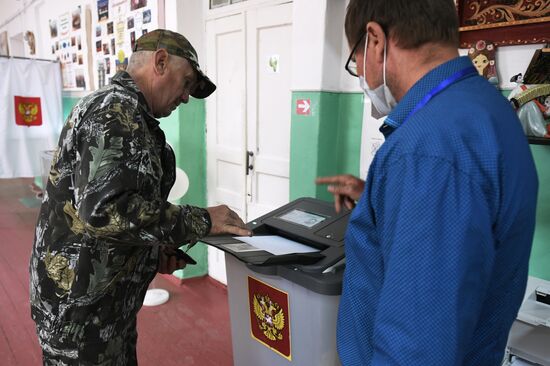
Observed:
{"x":68,"y":45}
{"x":116,"y":26}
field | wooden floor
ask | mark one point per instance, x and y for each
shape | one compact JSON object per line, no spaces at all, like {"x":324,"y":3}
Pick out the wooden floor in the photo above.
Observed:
{"x":192,"y":328}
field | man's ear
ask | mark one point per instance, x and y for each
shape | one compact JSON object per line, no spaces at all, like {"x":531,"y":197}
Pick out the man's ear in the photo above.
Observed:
{"x":377,"y":40}
{"x":160,"y":59}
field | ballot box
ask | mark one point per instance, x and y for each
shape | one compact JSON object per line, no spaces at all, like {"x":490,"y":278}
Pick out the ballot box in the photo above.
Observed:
{"x":284,"y":285}
{"x":530,"y":334}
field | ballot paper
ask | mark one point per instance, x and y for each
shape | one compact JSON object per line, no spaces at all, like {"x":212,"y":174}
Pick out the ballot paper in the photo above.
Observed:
{"x":275,"y":244}
{"x":521,"y":362}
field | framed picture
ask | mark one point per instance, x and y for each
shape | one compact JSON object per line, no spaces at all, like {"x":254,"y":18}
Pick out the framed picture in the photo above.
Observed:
{"x":76,"y":19}
{"x":504,"y":22}
{"x":53,"y":28}
{"x":136,"y":4}
{"x":217,"y":3}
{"x":147,"y":16}
{"x":102,"y":10}
{"x":132,"y":39}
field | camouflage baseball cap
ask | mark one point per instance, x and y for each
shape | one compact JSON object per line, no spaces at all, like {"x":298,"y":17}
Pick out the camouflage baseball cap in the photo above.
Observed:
{"x":177,"y":45}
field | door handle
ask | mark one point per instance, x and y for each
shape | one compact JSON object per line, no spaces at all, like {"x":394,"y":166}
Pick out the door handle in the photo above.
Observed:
{"x":249,"y":165}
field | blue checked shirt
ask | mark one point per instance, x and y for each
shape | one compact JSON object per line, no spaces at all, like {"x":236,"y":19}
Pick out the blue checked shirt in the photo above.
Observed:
{"x":438,"y":246}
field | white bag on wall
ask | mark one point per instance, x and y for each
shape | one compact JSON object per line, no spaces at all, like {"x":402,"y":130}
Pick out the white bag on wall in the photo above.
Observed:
{"x":31,"y":116}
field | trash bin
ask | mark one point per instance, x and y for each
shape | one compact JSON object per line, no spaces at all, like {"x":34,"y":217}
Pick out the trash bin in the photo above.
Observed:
{"x":283,"y":304}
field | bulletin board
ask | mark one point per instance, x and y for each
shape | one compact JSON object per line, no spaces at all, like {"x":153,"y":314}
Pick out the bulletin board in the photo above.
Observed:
{"x":116,"y":24}
{"x":69,"y":46}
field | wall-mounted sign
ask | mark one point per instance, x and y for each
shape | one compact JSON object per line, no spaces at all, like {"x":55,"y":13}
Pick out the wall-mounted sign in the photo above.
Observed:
{"x":273,"y":64}
{"x":303,"y":107}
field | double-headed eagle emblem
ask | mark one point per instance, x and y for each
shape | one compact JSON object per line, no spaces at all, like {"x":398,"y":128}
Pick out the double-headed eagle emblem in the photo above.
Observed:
{"x":28,"y":111}
{"x":271,"y":318}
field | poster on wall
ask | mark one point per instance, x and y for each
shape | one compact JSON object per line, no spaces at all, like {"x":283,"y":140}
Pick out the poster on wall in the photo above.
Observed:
{"x":118,"y":24}
{"x":102,"y":10}
{"x":68,"y":45}
{"x":137,"y":4}
{"x":64,"y":24}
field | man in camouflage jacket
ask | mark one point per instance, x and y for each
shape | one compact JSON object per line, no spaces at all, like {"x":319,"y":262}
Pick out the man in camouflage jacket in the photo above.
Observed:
{"x":105,"y":227}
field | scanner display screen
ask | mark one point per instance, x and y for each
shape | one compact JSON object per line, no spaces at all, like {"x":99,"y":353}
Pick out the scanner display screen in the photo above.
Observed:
{"x":303,"y":218}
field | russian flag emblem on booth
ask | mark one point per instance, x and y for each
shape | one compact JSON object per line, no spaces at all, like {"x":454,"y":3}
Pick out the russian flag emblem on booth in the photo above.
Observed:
{"x":28,"y":111}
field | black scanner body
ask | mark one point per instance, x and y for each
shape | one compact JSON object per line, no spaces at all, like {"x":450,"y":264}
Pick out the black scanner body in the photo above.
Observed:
{"x":309,"y":221}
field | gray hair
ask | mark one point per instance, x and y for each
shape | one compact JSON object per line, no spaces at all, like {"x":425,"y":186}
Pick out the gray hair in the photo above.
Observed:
{"x":138,"y":59}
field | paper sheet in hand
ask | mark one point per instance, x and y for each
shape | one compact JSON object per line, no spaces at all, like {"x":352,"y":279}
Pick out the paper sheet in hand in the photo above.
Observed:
{"x":275,"y":244}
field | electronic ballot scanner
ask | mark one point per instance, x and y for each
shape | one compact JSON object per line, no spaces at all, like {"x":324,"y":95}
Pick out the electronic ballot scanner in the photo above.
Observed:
{"x":302,"y":238}
{"x":284,"y":285}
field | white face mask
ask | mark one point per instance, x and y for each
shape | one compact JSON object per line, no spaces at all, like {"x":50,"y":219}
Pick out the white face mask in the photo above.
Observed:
{"x":382,"y":99}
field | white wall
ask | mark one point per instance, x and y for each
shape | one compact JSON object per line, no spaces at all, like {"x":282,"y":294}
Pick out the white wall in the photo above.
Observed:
{"x":34,"y":15}
{"x":29,"y":18}
{"x":191,"y":23}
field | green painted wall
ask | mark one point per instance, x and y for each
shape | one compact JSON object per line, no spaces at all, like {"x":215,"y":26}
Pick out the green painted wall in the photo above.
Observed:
{"x":539,"y":265}
{"x":350,"y":124}
{"x":328,"y":142}
{"x":68,"y":104}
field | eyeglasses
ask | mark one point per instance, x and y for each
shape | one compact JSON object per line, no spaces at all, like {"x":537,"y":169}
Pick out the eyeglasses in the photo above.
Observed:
{"x":351,"y":66}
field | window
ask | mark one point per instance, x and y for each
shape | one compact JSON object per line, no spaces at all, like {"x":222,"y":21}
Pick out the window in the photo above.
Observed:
{"x":219,"y":3}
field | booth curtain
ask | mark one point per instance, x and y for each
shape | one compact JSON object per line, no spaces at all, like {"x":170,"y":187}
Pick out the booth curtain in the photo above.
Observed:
{"x":31,"y":116}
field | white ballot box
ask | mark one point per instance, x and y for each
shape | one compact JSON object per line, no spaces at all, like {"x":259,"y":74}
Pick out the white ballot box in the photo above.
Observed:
{"x":284,"y":285}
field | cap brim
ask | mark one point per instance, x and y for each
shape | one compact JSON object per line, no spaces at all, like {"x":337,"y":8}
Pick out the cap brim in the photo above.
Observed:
{"x":205,"y":86}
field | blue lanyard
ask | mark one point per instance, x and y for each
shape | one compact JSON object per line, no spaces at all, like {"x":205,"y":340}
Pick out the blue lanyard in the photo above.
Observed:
{"x":468,"y":71}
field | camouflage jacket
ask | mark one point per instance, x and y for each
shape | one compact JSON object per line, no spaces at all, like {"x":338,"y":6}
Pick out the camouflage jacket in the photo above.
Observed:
{"x":103,"y":215}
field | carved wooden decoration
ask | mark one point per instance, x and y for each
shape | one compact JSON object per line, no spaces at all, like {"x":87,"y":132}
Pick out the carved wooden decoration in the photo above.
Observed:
{"x":504,"y":22}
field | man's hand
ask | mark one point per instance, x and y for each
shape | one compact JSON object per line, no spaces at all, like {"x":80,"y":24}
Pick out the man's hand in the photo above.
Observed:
{"x":226,"y":221}
{"x":346,"y":189}
{"x":169,"y":261}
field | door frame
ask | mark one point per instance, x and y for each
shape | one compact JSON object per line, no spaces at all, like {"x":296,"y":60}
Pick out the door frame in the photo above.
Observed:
{"x":216,"y":263}
{"x":240,"y":7}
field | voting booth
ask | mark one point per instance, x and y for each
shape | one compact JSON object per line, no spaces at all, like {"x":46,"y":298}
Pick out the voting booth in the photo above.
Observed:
{"x":284,"y":285}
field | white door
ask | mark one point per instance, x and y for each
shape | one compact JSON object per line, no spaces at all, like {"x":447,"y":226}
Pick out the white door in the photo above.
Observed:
{"x":248,"y":117}
{"x":269,"y":40}
{"x":225,"y":123}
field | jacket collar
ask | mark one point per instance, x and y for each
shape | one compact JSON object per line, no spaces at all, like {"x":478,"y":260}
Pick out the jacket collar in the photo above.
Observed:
{"x":419,"y":90}
{"x":124,"y":79}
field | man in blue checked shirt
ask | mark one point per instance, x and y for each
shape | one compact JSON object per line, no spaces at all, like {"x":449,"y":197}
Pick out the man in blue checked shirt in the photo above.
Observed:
{"x":438,"y":246}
